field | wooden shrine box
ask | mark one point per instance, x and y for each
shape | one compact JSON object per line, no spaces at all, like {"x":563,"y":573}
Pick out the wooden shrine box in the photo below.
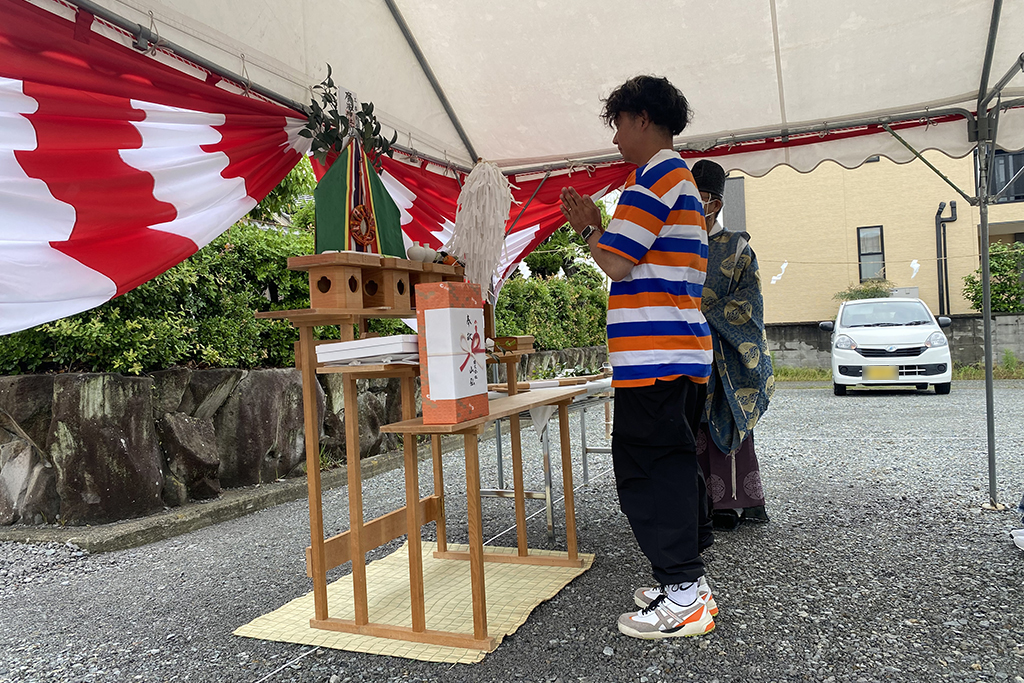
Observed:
{"x":391,"y":284}
{"x":453,"y":360}
{"x":351,"y":281}
{"x":336,"y":280}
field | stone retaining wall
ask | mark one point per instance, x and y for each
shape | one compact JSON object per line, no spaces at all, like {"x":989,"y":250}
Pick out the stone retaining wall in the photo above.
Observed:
{"x":803,"y":345}
{"x":96,"y":448}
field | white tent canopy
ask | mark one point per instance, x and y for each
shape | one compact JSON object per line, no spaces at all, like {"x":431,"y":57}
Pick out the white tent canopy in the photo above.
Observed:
{"x":523,"y":79}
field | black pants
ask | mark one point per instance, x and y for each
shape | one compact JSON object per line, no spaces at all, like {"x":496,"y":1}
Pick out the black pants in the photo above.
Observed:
{"x":661,"y":488}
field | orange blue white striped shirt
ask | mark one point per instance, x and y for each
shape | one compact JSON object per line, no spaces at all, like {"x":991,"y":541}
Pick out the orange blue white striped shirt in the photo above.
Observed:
{"x":655,"y":326}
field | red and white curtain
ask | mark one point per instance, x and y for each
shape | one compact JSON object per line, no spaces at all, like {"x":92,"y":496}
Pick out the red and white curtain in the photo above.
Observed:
{"x":427,"y":196}
{"x":115,"y":166}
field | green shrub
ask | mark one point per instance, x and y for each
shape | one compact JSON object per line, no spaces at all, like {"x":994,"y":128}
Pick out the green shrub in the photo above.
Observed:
{"x":869,"y":289}
{"x":559,"y":313}
{"x":198,"y":313}
{"x":1006,"y":279}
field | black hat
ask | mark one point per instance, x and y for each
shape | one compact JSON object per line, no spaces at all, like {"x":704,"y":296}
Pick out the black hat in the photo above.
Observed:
{"x":710,"y":177}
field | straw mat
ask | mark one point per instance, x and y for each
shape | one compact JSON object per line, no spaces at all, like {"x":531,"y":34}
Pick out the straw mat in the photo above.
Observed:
{"x":513,"y":591}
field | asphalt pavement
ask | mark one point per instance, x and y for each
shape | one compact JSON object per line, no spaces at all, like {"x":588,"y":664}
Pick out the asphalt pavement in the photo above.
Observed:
{"x":879,"y":564}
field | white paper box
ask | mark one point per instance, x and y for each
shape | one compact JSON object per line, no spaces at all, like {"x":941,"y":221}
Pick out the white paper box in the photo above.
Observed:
{"x":456,"y":366}
{"x":374,"y":347}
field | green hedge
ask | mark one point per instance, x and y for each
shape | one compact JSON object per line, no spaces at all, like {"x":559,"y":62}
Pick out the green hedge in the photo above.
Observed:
{"x":559,"y":313}
{"x":200,"y":314}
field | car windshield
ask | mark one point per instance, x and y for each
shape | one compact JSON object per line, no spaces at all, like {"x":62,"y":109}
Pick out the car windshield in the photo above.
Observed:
{"x":885,"y":314}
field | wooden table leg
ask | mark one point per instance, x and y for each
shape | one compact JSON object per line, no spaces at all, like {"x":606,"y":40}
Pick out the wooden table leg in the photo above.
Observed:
{"x":412,"y":509}
{"x":307,"y":363}
{"x":570,"y":502}
{"x":607,"y":420}
{"x":476,"y":537}
{"x":518,"y":488}
{"x":355,"y":501}
{"x":435,"y":452}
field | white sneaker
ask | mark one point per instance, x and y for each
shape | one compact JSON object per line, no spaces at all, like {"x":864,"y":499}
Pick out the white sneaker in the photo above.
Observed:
{"x":1017,"y":533}
{"x":665,"y":619}
{"x":645,"y":596}
{"x":1019,"y":542}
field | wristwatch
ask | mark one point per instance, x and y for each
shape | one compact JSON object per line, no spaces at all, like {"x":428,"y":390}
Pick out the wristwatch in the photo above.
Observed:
{"x":586,"y":232}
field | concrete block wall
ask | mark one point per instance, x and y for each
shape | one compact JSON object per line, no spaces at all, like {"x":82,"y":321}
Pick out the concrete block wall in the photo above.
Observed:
{"x":803,"y":345}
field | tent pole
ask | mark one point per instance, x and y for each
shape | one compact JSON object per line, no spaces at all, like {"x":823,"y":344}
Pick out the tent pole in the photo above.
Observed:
{"x":429,"y":73}
{"x":990,"y":48}
{"x":528,"y":202}
{"x":986,"y":135}
{"x":1006,"y":187}
{"x":927,"y":163}
{"x":985,"y":149}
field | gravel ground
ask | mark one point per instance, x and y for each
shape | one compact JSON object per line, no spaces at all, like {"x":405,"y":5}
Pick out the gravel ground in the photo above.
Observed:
{"x":878,"y":565}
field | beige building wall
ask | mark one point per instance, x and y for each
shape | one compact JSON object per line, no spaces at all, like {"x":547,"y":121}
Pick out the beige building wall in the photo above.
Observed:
{"x":809,"y":221}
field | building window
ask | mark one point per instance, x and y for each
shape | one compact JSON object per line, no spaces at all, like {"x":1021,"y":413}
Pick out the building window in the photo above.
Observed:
{"x":1004,"y":165}
{"x":872,"y":253}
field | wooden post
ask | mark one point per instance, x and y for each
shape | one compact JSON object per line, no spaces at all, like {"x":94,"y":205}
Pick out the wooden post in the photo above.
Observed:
{"x":307,"y":361}
{"x":412,"y":509}
{"x":607,"y":419}
{"x":476,"y":536}
{"x":570,"y":500}
{"x":355,"y":501}
{"x":517,"y":463}
{"x":435,"y":452}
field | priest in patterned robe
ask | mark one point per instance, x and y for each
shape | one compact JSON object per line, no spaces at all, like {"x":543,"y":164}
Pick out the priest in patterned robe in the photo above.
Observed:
{"x":742,"y":381}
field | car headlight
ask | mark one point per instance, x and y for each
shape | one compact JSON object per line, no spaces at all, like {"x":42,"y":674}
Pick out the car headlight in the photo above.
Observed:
{"x":845,"y":342}
{"x":936,"y":339}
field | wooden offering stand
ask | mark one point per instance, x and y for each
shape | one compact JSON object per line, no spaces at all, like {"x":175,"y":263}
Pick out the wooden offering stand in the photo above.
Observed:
{"x":347,"y":289}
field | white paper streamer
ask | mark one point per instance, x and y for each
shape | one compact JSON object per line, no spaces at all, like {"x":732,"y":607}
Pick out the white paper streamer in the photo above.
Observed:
{"x":776,"y":278}
{"x":483,"y":210}
{"x":915,"y":266}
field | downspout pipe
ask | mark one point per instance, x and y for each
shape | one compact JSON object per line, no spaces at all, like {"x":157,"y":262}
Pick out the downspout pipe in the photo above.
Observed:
{"x":945,"y":250}
{"x":939,"y":256}
{"x":942,"y":255}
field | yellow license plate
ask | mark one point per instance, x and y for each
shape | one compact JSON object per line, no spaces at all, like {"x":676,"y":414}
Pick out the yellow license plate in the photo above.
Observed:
{"x":882,"y":372}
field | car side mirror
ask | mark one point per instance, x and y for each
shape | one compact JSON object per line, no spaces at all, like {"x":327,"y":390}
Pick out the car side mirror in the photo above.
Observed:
{"x":828,"y":326}
{"x":944,"y":321}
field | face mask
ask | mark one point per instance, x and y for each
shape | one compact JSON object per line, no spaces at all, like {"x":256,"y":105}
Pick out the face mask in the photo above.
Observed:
{"x":707,"y":206}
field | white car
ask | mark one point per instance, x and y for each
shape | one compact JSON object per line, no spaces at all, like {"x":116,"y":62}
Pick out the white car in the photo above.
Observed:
{"x":889,"y":342}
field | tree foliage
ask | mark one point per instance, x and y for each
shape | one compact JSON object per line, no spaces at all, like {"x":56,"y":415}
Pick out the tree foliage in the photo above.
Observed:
{"x":558,"y":251}
{"x":289,"y":196}
{"x":564,"y":250}
{"x":1006,"y":279}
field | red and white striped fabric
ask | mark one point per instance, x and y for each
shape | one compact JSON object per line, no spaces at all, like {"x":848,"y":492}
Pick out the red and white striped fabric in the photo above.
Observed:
{"x":427,"y":197}
{"x":115,"y":167}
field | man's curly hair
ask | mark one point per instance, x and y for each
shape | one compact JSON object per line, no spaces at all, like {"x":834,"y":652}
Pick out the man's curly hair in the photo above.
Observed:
{"x":665,"y":105}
